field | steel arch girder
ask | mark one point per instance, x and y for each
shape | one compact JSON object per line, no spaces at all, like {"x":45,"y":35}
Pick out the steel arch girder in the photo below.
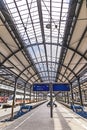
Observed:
{"x":20,"y":49}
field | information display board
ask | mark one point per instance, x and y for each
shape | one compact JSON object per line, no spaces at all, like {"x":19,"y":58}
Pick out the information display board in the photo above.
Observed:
{"x":40,"y":87}
{"x":61,"y":87}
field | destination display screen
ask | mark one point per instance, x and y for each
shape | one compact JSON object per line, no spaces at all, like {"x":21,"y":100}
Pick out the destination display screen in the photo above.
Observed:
{"x":40,"y":87}
{"x":61,"y":87}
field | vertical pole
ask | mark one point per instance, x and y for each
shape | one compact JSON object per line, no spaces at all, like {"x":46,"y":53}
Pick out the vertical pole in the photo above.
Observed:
{"x":30,"y":94}
{"x":76,"y":96}
{"x":36,"y":96}
{"x":67,"y":97}
{"x":80,"y":93}
{"x":33,"y":97}
{"x":72,"y":95}
{"x":42,"y":97}
{"x":62,"y":96}
{"x":51,"y":101}
{"x":14,"y":96}
{"x":84,"y":95}
{"x":24,"y":94}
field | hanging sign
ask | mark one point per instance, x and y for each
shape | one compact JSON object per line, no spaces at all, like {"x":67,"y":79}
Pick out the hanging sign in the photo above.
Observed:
{"x":61,"y":87}
{"x":40,"y":87}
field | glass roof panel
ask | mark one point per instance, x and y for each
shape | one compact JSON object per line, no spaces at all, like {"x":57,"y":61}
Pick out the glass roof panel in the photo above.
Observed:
{"x":42,"y":25}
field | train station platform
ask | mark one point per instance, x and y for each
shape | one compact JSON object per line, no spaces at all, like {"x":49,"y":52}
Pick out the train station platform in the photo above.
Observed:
{"x":39,"y":119}
{"x":7,"y":111}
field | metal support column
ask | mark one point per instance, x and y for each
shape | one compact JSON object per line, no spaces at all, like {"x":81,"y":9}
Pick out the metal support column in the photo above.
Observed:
{"x":51,"y":102}
{"x":80,"y":93}
{"x":62,"y":96}
{"x":14,"y":96}
{"x":36,"y":96}
{"x":68,"y":97}
{"x":65,"y":96}
{"x":30,"y":94}
{"x":24,"y":94}
{"x":72,"y":102}
{"x":75,"y":96}
{"x":84,"y":95}
{"x":43,"y":97}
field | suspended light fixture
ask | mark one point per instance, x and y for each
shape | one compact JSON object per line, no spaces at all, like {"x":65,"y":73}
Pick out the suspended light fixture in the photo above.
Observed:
{"x":48,"y":26}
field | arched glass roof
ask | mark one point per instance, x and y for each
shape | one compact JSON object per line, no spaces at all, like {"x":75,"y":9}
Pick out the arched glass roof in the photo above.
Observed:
{"x":42,"y":23}
{"x":43,"y":41}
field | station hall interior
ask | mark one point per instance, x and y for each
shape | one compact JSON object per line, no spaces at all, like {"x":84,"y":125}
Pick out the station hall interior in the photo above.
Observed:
{"x":43,"y":42}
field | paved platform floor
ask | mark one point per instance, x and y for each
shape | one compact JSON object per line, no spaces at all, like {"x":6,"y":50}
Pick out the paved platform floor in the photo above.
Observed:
{"x":7,"y":111}
{"x":39,"y":119}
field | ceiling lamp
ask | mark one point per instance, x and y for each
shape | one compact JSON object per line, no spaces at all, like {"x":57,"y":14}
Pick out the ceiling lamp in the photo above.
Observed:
{"x":48,"y":26}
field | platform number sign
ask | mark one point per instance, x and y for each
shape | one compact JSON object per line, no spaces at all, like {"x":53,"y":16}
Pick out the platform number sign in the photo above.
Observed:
{"x":40,"y":87}
{"x":61,"y":87}
{"x":55,"y":87}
